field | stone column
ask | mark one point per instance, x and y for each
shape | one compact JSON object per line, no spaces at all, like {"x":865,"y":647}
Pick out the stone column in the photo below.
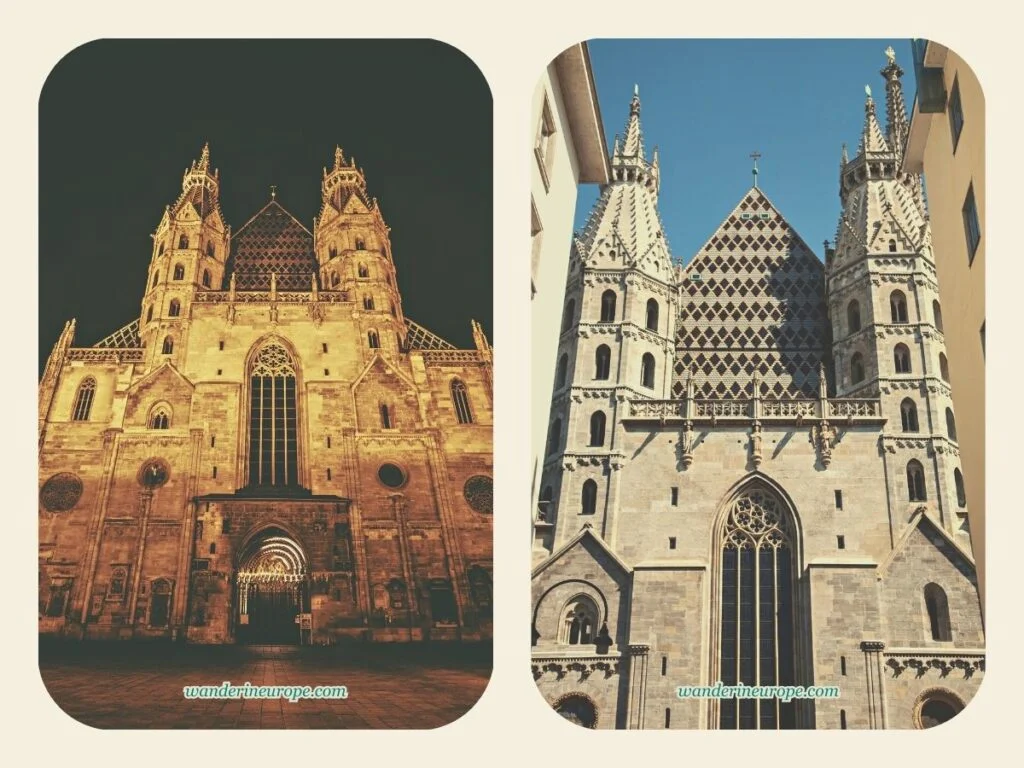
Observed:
{"x":638,"y":655}
{"x":111,"y":440}
{"x":875,"y":678}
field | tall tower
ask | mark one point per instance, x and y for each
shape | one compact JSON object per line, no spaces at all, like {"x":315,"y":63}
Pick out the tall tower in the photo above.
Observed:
{"x":353,"y":250}
{"x":190,"y":248}
{"x":886,"y":318}
{"x":616,"y":341}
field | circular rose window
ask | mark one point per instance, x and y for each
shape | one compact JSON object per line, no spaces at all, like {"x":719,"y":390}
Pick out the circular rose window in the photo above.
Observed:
{"x":61,"y":492}
{"x":391,"y":475}
{"x":154,"y":474}
{"x":479,"y":492}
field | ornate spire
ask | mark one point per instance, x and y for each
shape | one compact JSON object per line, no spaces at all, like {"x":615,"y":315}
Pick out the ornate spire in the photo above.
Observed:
{"x":339,"y":158}
{"x":846,"y":157}
{"x":872,"y":140}
{"x":629,"y":161}
{"x":632,"y":147}
{"x":895,"y":107}
{"x":204,"y":157}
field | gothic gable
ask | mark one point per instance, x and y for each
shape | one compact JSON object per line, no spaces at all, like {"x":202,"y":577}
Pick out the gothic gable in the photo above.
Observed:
{"x":166,"y":385}
{"x":382,"y":385}
{"x":752,"y":299}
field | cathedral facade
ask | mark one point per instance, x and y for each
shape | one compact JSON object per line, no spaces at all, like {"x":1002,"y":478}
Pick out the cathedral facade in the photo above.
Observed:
{"x":272,"y":451}
{"x":752,"y":472}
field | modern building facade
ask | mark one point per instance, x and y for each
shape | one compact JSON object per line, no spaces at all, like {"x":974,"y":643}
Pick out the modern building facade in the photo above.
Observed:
{"x":752,"y":471}
{"x":946,"y":143}
{"x":569,"y":150}
{"x":271,"y":451}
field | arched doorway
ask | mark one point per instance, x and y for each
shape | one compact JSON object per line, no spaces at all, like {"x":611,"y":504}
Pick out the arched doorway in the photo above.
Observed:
{"x":578,"y":709}
{"x":271,"y":588}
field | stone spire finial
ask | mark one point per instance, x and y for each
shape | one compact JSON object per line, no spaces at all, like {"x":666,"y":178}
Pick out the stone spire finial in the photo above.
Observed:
{"x":897,"y":126}
{"x":339,"y":158}
{"x":204,"y":157}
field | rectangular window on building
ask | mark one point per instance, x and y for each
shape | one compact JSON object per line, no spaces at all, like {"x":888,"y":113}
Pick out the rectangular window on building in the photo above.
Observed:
{"x":675,"y":497}
{"x":325,"y":347}
{"x":841,"y":542}
{"x":972,"y":228}
{"x":839,"y":499}
{"x":221,"y":346}
{"x":671,"y":542}
{"x":543,"y":147}
{"x":215,"y":472}
{"x":664,"y":665}
{"x":956,"y":113}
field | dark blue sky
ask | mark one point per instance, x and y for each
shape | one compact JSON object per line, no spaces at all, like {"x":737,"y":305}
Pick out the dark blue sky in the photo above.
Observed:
{"x":707,"y":104}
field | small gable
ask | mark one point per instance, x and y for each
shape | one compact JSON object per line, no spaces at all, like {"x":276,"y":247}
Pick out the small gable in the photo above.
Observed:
{"x":381,"y":387}
{"x":165,"y":386}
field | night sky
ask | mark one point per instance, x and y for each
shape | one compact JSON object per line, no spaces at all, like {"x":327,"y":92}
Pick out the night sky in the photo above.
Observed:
{"x":121,"y":120}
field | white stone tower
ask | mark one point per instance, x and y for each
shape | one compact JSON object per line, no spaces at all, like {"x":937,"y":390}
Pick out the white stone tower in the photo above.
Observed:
{"x":887,"y":322}
{"x":616,"y":339}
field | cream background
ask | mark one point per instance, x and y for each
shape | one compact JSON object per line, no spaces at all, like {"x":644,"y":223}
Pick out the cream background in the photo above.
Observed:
{"x":511,"y":43}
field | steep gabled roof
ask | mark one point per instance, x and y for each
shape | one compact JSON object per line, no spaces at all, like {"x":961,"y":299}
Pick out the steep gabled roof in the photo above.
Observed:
{"x":272,"y":241}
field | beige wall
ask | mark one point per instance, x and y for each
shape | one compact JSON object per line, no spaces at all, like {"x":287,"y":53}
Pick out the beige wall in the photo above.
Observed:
{"x":961,"y":283}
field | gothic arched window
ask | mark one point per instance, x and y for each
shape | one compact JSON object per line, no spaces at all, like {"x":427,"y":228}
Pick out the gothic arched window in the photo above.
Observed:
{"x":938,"y":612}
{"x":579,"y":622}
{"x":210,"y":250}
{"x":360,"y":244}
{"x":335,"y":279}
{"x":332,"y":251}
{"x":83,"y":400}
{"x":892,"y":246}
{"x":588,"y":497}
{"x":652,"y":315}
{"x":460,"y":399}
{"x":183,"y":242}
{"x":149,"y":314}
{"x":602,"y":362}
{"x":915,"y":481}
{"x":367,"y":302}
{"x":853,"y":316}
{"x":373,"y":339}
{"x":937,"y":314}
{"x":961,"y":494}
{"x":578,"y":709}
{"x":898,"y":307}
{"x":608,"y":299}
{"x":901,"y":358}
{"x":161,"y":251}
{"x":179,"y":272}
{"x":168,"y":346}
{"x":363,"y":271}
{"x":160,"y":419}
{"x":206,"y":278}
{"x":757,"y":622}
{"x":568,"y":315}
{"x":273,"y":432}
{"x":562,"y":371}
{"x":647,"y":370}
{"x":554,"y":436}
{"x":385,"y":416}
{"x":597,"y":422}
{"x":943,"y":367}
{"x":950,"y":424}
{"x":174,"y":309}
{"x":396,"y":594}
{"x":856,"y":368}
{"x":908,"y":415}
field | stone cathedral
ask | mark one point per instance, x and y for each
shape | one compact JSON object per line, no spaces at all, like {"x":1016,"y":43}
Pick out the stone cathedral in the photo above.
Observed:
{"x":272,"y":452}
{"x":752,"y":471}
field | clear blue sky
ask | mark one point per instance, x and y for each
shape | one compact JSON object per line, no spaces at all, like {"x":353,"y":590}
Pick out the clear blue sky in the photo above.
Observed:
{"x":707,"y":104}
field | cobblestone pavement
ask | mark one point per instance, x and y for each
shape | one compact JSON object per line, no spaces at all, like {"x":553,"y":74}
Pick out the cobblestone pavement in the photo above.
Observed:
{"x":395,"y":688}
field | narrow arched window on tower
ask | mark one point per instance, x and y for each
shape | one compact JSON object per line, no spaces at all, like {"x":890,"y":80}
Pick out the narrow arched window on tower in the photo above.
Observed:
{"x":149,"y":314}
{"x":367,"y":302}
{"x":373,"y":339}
{"x":908,"y":415}
{"x":335,"y":279}
{"x":183,"y":242}
{"x":83,"y":400}
{"x":360,"y":244}
{"x":652,"y":315}
{"x":168,"y":346}
{"x":179,"y":272}
{"x":562,"y":371}
{"x":937,"y":606}
{"x":568,"y":314}
{"x":901,"y":358}
{"x":856,"y":368}
{"x":385,"y":416}
{"x":597,"y":422}
{"x":898,"y":307}
{"x":174,"y":309}
{"x":937,"y":314}
{"x":961,"y":494}
{"x":554,"y":436}
{"x":647,"y":370}
{"x":206,"y":278}
{"x":156,"y":278}
{"x":363,"y":271}
{"x":332,"y":251}
{"x":602,"y":363}
{"x":950,"y":424}
{"x":892,"y":246}
{"x":460,"y":399}
{"x":210,"y":250}
{"x":915,"y":481}
{"x":943,"y":367}
{"x":160,"y":252}
{"x":608,"y":299}
{"x":589,"y":497}
{"x":853,"y":316}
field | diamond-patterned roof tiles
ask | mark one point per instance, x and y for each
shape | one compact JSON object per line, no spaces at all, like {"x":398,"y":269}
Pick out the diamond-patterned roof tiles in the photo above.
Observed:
{"x":272,"y":241}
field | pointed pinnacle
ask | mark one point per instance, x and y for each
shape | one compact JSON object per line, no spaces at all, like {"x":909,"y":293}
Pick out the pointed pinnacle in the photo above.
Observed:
{"x":339,"y":157}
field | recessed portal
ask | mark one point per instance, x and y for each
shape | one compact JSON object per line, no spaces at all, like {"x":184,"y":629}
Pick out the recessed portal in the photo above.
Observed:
{"x":272,"y":589}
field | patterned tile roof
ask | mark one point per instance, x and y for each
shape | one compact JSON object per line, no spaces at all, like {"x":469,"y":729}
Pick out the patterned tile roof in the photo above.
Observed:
{"x":272,"y":241}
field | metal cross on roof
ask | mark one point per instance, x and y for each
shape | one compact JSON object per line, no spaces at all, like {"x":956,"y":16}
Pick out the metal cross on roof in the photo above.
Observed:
{"x":273,"y":191}
{"x":756,"y":155}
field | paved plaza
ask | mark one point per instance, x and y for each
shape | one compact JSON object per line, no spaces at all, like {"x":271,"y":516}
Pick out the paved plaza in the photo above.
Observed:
{"x":393,"y":687}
